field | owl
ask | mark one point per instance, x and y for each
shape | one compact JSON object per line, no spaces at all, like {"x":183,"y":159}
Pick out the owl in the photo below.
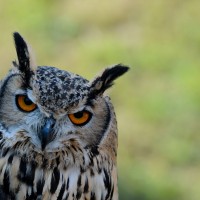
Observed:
{"x":58,"y":133}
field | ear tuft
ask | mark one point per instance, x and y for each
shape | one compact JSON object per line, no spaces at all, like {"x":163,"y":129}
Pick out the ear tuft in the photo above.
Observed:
{"x":105,"y":80}
{"x":23,"y":56}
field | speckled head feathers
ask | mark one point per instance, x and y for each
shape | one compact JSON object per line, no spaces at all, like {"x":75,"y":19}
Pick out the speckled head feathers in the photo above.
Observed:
{"x":58,"y":89}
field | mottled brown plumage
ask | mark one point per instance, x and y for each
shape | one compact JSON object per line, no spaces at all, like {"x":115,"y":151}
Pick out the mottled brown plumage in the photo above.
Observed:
{"x":58,"y":133}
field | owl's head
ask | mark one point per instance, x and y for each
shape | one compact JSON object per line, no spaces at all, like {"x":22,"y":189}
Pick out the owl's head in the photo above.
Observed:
{"x":47,"y":110}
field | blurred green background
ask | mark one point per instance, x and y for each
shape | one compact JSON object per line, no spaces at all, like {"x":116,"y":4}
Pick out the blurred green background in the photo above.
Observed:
{"x":157,"y":102}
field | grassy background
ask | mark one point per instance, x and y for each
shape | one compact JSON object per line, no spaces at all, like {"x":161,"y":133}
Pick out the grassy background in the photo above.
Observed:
{"x":157,"y":102}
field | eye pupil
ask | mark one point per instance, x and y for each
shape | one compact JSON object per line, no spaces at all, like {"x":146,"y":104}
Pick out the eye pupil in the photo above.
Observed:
{"x":78,"y":115}
{"x":27,"y":101}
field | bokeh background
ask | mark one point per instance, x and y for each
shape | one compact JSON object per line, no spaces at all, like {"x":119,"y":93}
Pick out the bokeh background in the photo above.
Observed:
{"x":157,"y":102}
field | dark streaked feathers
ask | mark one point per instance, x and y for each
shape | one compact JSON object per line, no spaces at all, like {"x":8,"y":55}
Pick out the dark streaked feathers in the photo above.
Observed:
{"x":23,"y":57}
{"x":104,"y":81}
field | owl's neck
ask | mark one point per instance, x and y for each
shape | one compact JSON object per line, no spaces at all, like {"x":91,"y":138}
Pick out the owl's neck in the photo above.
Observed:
{"x":94,"y":177}
{"x":76,"y":172}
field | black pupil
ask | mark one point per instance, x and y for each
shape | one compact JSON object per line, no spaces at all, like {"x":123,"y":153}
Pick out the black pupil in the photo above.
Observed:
{"x":27,"y":101}
{"x":78,"y":114}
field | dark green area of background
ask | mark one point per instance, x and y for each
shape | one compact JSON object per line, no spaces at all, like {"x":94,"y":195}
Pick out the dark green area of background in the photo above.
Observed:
{"x":157,"y":103}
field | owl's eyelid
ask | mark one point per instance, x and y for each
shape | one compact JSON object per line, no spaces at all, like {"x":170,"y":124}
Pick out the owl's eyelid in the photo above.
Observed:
{"x":86,"y":109}
{"x":25,"y":93}
{"x":81,"y":109}
{"x":30,"y":96}
{"x":21,"y":92}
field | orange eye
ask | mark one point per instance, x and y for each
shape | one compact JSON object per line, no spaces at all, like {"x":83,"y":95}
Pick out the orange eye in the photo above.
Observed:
{"x":80,"y":118}
{"x":24,"y":103}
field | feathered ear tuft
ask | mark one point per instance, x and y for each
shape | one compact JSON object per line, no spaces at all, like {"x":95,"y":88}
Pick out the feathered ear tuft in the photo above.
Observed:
{"x":23,"y":57}
{"x":105,"y":80}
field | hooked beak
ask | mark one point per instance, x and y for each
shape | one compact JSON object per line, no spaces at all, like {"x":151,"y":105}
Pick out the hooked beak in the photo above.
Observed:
{"x":46,"y":134}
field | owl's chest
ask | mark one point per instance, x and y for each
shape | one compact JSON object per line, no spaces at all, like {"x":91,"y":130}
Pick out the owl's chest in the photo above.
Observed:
{"x":25,"y":180}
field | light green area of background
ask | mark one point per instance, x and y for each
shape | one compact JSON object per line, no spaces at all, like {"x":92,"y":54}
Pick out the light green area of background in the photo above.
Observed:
{"x":157,"y":103}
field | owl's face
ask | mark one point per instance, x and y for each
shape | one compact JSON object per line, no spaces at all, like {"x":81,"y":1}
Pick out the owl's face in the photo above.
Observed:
{"x":49,"y":110}
{"x":56,"y":107}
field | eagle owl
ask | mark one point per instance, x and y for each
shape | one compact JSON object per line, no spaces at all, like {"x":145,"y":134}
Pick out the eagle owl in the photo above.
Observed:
{"x":58,"y":133}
